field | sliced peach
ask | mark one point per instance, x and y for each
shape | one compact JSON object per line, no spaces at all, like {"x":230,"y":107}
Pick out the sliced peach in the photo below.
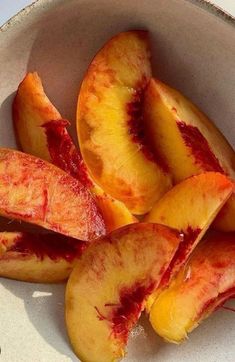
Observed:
{"x":31,"y":106}
{"x":110,"y":124}
{"x":203,"y":285}
{"x":190,"y":207}
{"x":190,"y":142}
{"x":35,"y":191}
{"x":107,"y":289}
{"x":45,"y":258}
{"x":114,"y":212}
{"x":42,"y":132}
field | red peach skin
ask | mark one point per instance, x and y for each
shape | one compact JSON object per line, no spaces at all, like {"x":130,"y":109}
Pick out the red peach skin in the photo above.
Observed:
{"x":37,"y":192}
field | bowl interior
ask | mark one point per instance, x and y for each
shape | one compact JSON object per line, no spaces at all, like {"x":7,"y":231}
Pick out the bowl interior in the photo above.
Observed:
{"x":194,"y":51}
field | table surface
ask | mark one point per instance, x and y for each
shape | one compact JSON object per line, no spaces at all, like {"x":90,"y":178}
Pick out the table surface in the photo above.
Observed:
{"x":10,"y":7}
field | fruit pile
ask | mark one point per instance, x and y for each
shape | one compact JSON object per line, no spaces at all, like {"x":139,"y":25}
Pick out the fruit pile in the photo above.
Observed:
{"x":122,"y":218}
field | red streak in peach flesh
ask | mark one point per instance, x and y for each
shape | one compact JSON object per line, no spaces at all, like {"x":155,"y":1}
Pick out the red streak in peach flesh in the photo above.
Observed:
{"x":182,"y":253}
{"x":199,"y":147}
{"x":137,"y":129}
{"x":129,"y":309}
{"x":54,"y":246}
{"x":63,"y":152}
{"x":125,"y":314}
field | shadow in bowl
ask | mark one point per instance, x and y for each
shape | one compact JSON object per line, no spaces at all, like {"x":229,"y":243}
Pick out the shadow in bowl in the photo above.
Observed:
{"x":46,"y":300}
{"x":143,"y":342}
{"x":7,"y":136}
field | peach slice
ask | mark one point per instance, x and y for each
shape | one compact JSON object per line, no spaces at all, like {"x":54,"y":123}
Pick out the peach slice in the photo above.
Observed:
{"x":203,"y":285}
{"x":190,"y":142}
{"x":42,"y":132}
{"x":45,"y":258}
{"x":110,"y":124}
{"x":107,"y":289}
{"x":37,"y":192}
{"x":31,"y":106}
{"x":114,"y":212}
{"x":190,"y":207}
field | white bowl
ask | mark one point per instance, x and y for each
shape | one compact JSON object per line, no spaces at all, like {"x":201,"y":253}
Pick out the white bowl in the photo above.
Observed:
{"x":193,"y":50}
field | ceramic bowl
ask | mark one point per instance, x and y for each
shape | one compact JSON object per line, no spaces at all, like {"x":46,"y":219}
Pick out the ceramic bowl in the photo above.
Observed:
{"x":194,"y":51}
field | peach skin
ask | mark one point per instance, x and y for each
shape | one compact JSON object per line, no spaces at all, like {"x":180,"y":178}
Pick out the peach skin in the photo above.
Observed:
{"x":204,"y":284}
{"x":37,"y":192}
{"x":190,"y":142}
{"x":108,"y":287}
{"x":111,"y":128}
{"x":44,"y":258}
{"x":190,"y":207}
{"x":42,"y":132}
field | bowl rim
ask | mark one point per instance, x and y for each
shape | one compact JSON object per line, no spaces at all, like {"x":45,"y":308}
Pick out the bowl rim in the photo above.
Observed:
{"x":204,"y":4}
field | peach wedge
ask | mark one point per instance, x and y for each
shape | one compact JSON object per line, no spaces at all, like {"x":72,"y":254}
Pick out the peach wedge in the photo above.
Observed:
{"x":107,"y":289}
{"x":42,"y":132}
{"x":31,"y":106}
{"x":191,"y":207}
{"x":37,"y":192}
{"x":44,"y":258}
{"x":203,"y":285}
{"x":110,"y":124}
{"x":190,"y":142}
